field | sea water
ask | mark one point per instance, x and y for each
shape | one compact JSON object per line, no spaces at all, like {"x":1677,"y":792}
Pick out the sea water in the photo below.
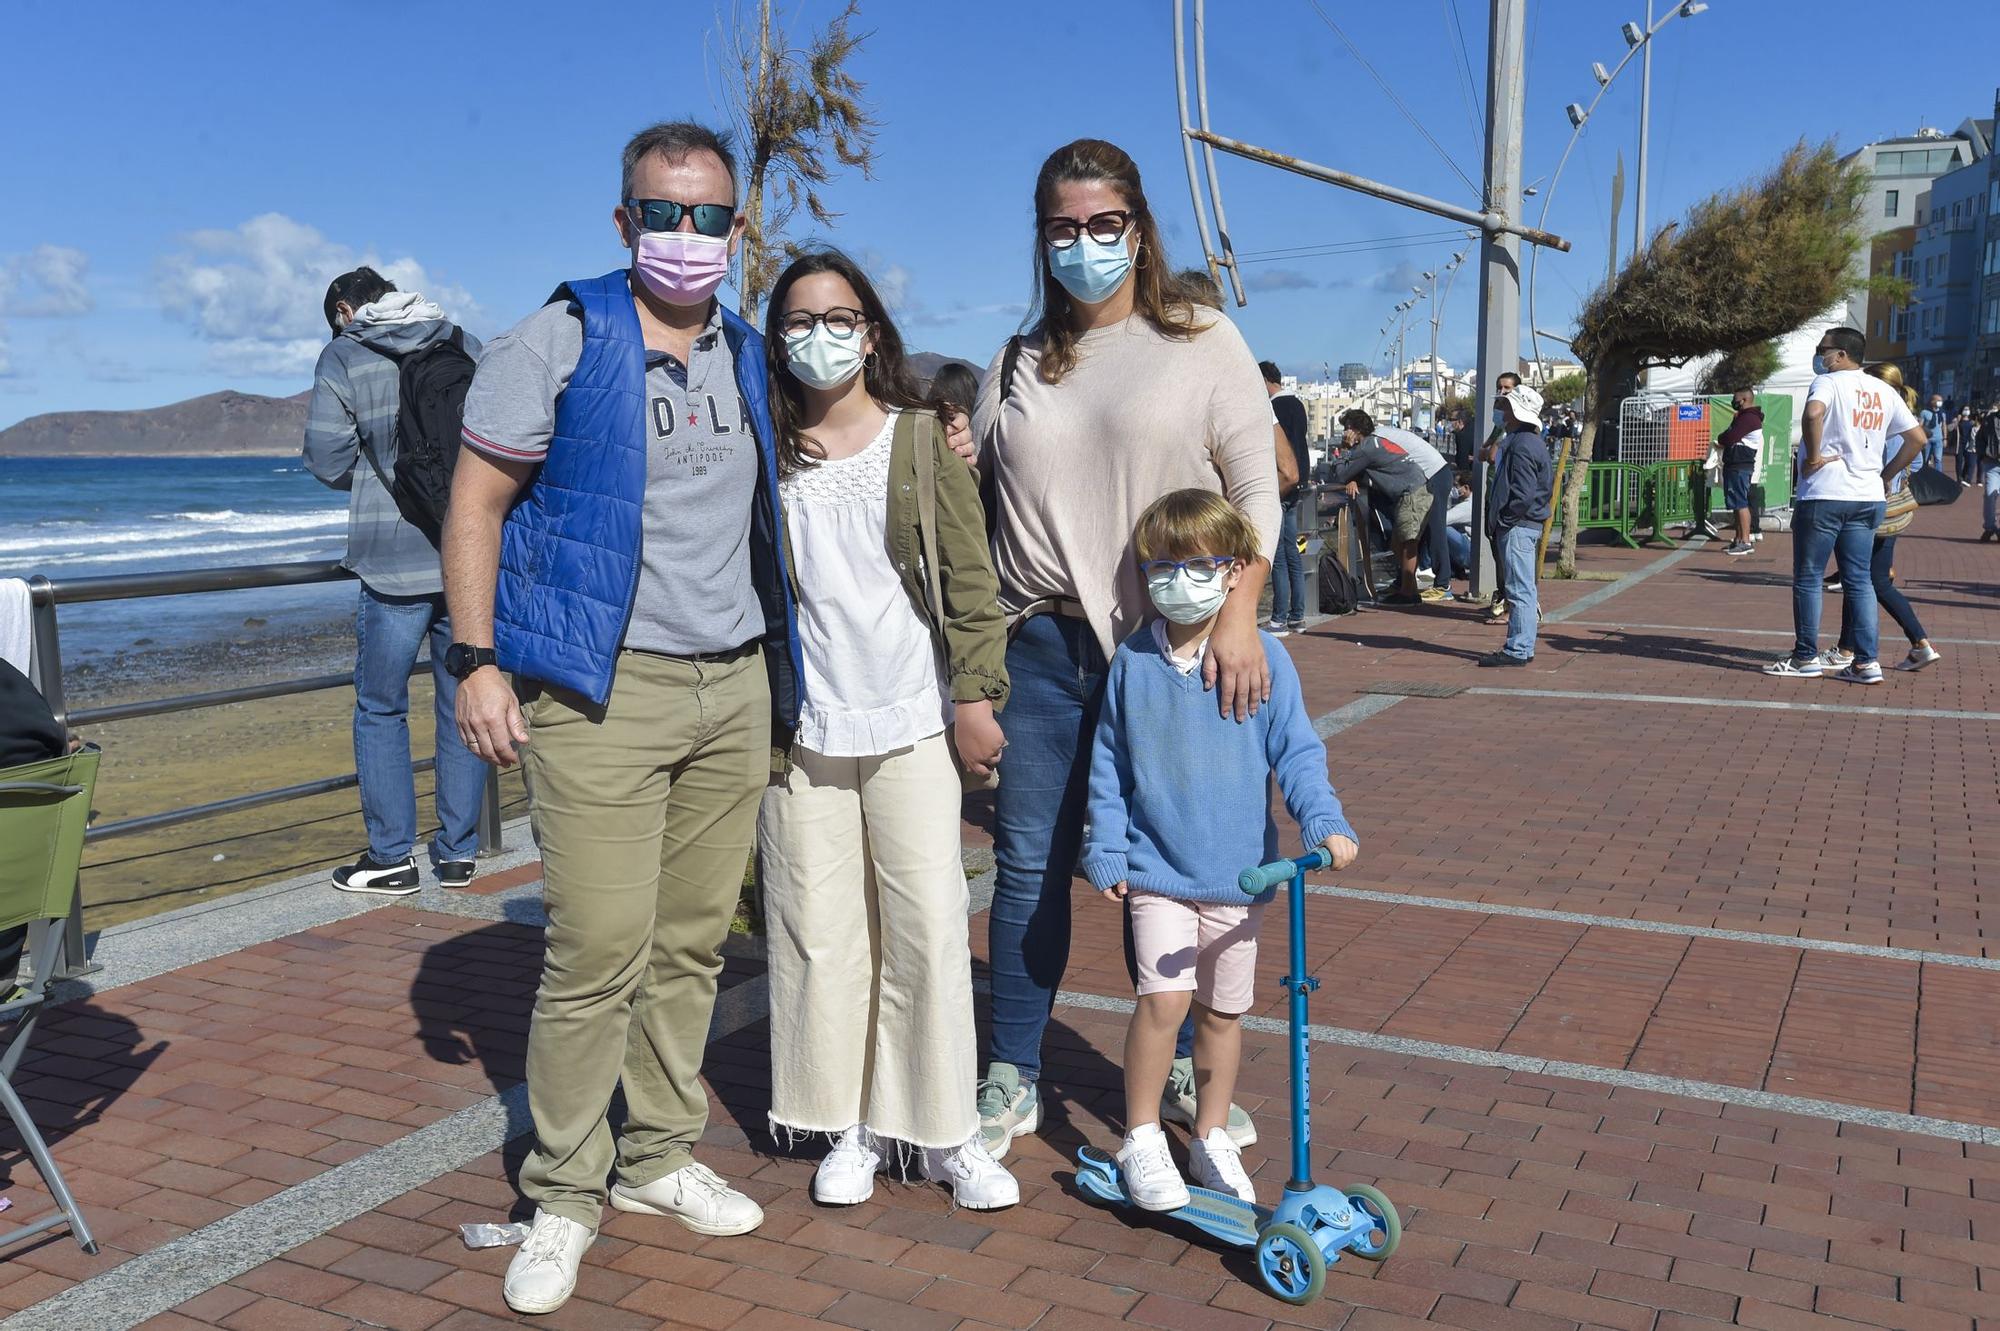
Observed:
{"x":73,"y":518}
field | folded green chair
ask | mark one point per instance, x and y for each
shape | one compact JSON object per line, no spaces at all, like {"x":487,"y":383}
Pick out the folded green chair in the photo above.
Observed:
{"x":44,"y":807}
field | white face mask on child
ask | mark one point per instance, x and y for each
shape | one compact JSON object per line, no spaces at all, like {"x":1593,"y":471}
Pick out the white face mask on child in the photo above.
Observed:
{"x":1186,"y":599}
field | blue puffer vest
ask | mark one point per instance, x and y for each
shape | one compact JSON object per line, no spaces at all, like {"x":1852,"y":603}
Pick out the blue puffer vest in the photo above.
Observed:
{"x":569,"y":553}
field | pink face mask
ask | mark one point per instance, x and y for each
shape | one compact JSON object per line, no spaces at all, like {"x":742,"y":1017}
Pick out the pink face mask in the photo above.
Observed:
{"x":682,"y":267}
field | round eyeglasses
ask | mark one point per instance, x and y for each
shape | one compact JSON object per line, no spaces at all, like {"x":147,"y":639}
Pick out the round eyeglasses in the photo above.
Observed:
{"x":1108,"y":228}
{"x":840,"y":321}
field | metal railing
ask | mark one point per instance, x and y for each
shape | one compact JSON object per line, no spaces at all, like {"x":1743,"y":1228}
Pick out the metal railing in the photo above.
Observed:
{"x":46,"y":594}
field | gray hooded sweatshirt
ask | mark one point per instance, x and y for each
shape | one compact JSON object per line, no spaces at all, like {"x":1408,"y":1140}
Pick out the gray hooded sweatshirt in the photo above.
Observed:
{"x":354,"y":403}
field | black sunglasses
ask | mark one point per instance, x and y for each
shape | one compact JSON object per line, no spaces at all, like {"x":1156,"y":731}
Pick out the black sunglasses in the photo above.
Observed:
{"x":710,"y":219}
{"x":1107,"y":228}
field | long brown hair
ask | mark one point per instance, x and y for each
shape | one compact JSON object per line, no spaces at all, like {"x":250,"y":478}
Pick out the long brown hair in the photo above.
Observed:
{"x":1156,"y":293}
{"x":886,"y":372}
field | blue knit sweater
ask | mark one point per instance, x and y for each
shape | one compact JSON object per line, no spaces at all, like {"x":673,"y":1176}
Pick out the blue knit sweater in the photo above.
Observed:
{"x":1180,"y":798}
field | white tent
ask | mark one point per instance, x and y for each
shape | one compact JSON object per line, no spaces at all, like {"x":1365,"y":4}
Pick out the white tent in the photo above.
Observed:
{"x":1793,"y":377}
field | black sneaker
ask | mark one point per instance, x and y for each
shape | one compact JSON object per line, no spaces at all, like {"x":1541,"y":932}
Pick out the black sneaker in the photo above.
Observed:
{"x":385,"y":880}
{"x":455,"y":873}
{"x":1502,"y":659}
{"x":1831,"y":585}
{"x":1739,"y":548}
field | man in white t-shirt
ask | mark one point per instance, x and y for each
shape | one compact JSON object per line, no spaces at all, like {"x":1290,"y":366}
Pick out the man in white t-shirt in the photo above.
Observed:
{"x":1843,"y":458}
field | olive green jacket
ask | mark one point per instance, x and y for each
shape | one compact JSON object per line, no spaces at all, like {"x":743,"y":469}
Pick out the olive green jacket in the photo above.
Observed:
{"x":969,"y":627}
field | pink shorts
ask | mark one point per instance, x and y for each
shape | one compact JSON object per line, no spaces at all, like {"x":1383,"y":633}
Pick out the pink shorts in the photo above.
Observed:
{"x":1202,"y":946}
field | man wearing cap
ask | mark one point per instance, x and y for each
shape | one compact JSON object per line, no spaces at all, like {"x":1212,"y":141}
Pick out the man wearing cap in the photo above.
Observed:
{"x":1517,"y":507}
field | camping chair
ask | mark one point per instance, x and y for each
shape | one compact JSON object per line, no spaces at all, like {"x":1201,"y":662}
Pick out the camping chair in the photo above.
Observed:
{"x":43,"y":809}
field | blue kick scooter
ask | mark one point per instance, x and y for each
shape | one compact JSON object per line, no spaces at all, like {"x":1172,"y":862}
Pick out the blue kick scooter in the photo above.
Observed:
{"x":1308,"y":1230}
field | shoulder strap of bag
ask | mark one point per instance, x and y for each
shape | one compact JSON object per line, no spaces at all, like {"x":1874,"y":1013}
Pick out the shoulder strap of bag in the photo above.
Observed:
{"x":925,"y":428}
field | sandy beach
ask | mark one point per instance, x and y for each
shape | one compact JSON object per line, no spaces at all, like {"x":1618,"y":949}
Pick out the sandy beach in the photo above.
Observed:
{"x":164,"y":762}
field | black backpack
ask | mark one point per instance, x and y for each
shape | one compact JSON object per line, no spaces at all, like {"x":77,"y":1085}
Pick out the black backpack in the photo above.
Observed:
{"x":430,"y":415}
{"x":1340,"y":592}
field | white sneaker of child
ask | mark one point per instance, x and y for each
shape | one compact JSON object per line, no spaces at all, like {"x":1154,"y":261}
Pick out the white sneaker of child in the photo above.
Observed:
{"x":1216,"y":1163}
{"x":1151,"y":1180}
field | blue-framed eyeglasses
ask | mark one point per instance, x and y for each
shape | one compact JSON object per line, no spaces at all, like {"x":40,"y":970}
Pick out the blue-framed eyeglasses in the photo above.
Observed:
{"x":710,"y":219}
{"x":1201,"y":568}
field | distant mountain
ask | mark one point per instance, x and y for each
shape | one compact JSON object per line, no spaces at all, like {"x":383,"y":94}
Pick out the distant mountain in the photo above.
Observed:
{"x":926,"y":364}
{"x":218,"y":424}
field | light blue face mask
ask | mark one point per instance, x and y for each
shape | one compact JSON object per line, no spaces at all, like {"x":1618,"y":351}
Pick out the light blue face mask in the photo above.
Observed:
{"x":1819,"y":365}
{"x":1089,"y":271}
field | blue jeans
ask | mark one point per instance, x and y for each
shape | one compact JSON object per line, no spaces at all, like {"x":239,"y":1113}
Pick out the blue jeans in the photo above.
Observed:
{"x":388,"y":631}
{"x":1288,"y":572}
{"x":1881,"y":566}
{"x":1056,"y":670}
{"x":1845,"y":529}
{"x":1989,"y":479}
{"x":1524,"y":600}
{"x":1933,"y":455}
{"x":1461,"y":551}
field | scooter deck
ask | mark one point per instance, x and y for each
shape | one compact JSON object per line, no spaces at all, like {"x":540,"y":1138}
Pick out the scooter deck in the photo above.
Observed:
{"x":1228,"y":1218}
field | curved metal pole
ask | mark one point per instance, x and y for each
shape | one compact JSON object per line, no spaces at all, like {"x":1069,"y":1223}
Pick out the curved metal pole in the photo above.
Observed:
{"x":1576,"y":132}
{"x":1187,"y":144}
{"x":1228,"y":255}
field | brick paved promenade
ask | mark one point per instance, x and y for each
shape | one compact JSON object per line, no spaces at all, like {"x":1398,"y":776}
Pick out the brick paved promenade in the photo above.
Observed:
{"x":1663,"y":997}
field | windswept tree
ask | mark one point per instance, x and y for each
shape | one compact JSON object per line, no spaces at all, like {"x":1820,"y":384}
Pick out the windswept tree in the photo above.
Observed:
{"x":799,"y":116}
{"x":1742,"y":367}
{"x":1745,"y":266}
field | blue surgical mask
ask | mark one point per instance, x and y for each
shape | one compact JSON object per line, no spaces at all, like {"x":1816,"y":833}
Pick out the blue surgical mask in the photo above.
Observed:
{"x":1089,"y":271}
{"x":1819,"y":365}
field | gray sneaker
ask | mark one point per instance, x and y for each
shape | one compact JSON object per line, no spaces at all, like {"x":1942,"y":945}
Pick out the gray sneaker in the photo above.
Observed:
{"x":1177,"y":1105}
{"x":1007,"y":1108}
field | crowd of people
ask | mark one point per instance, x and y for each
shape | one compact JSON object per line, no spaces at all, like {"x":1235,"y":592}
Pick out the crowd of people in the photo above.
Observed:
{"x":726,"y":590}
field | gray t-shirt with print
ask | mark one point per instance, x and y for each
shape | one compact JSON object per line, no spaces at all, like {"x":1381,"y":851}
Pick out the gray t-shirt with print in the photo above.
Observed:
{"x":695,"y":592}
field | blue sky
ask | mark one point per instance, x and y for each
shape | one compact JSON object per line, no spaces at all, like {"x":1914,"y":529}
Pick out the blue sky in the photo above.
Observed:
{"x":181,"y":180}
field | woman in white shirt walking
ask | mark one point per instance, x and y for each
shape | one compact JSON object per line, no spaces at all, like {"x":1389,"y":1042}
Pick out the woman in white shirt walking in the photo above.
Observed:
{"x":904,"y":656}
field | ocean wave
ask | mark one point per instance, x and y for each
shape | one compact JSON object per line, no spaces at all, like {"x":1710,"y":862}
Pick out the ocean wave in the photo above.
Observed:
{"x":174,"y":528}
{"x":46,"y":564}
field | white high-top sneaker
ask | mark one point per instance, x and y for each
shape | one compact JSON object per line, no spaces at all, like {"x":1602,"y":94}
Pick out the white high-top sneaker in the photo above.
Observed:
{"x":978,"y":1181}
{"x":1151,"y":1180}
{"x":1215,"y":1162}
{"x":542,"y":1275}
{"x":846,"y":1177}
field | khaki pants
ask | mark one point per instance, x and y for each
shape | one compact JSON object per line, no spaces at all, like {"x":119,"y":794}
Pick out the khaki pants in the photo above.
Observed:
{"x":645,"y":814}
{"x":870,"y":966}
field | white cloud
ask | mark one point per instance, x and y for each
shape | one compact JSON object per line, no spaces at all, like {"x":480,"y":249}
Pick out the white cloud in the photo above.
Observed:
{"x":255,"y":294}
{"x":1280,"y":279}
{"x":46,"y":282}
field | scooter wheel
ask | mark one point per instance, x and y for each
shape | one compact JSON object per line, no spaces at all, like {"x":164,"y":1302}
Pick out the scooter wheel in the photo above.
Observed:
{"x":1291,"y":1264}
{"x":1372,"y":1203}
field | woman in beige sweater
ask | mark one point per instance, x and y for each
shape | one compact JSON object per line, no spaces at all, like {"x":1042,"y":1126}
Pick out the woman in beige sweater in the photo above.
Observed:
{"x":1122,"y":390}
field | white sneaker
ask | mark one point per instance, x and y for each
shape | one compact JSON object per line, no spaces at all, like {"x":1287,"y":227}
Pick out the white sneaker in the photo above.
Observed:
{"x":1787,"y":668}
{"x":1861,"y":672}
{"x":1920,"y":656}
{"x":1008,"y":1108}
{"x":978,"y":1181}
{"x":542,"y":1275}
{"x":847,"y":1176}
{"x":696,"y":1196}
{"x":1836,"y":658}
{"x":1216,"y":1163}
{"x":1151,"y":1180}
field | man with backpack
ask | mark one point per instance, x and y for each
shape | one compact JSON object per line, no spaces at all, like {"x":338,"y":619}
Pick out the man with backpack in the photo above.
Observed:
{"x":387,"y":407}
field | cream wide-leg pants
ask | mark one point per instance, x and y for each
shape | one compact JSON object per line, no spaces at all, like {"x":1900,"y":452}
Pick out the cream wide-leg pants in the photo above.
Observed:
{"x":870,"y":965}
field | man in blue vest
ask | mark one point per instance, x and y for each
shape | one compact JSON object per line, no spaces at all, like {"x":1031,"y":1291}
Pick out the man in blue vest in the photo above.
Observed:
{"x":619,"y":482}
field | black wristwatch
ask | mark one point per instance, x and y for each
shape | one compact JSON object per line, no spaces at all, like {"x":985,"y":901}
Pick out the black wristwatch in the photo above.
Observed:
{"x":462,"y":658}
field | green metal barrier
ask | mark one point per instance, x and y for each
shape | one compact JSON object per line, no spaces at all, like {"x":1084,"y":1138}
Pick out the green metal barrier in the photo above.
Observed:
{"x":1669,"y":490}
{"x":1612,"y":499}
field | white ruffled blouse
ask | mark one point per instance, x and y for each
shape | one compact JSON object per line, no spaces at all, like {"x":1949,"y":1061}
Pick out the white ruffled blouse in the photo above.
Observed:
{"x":871,"y":670}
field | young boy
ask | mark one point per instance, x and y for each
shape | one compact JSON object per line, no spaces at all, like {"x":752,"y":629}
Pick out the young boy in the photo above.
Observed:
{"x":1180,"y":803}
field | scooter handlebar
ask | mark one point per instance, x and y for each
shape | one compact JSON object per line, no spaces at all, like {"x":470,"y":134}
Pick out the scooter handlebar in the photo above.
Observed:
{"x":1264,"y":877}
